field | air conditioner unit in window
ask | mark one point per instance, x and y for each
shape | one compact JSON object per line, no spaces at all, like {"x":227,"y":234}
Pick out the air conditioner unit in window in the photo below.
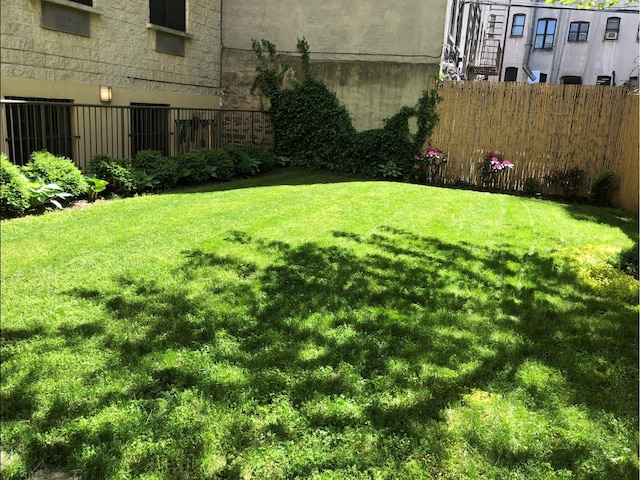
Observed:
{"x":611,"y":36}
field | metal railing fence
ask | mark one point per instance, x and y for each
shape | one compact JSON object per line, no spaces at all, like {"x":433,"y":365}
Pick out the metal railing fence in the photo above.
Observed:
{"x":80,"y":131}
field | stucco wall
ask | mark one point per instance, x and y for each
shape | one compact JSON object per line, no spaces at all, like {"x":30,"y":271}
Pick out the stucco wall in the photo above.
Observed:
{"x":120,"y":52}
{"x":377,"y":56}
{"x":587,"y":60}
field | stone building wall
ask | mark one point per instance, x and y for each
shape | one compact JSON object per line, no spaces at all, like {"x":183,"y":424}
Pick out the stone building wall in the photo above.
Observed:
{"x":120,"y":52}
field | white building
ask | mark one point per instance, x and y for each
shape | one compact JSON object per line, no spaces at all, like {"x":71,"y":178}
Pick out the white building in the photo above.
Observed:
{"x":537,"y":42}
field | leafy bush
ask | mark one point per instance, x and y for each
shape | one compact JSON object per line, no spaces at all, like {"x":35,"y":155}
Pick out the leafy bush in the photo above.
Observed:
{"x":56,"y":170}
{"x":163,"y":169}
{"x":14,"y":193}
{"x":311,"y":124}
{"x":196,"y":163}
{"x":42,"y":193}
{"x":243,"y":164}
{"x":628,"y":262}
{"x":492,"y":163}
{"x":221,"y":162}
{"x":531,"y":186}
{"x":117,"y":172}
{"x":96,"y":185}
{"x":569,"y":180}
{"x":601,"y":188}
{"x":265,"y":158}
{"x":315,"y":130}
{"x":426,"y":167}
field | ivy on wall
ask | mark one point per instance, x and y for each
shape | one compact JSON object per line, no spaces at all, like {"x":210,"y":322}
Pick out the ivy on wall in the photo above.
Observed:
{"x":314,"y":130}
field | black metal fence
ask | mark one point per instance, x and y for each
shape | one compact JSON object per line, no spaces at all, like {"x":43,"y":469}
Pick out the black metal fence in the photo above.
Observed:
{"x":80,"y":131}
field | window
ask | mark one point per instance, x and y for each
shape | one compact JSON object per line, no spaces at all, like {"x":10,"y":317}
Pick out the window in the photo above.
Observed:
{"x":517,"y":25}
{"x":543,"y":78}
{"x":545,"y":33}
{"x":149,"y":127}
{"x":510,"y":74}
{"x":578,"y":32}
{"x":65,"y":18}
{"x":88,"y":3}
{"x":572,"y":80}
{"x":37,"y":126}
{"x":168,"y":13}
{"x":603,"y":80}
{"x":612,"y":29}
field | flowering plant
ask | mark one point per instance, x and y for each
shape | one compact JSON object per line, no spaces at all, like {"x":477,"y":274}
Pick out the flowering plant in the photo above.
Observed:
{"x":492,"y":164}
{"x":426,"y":166}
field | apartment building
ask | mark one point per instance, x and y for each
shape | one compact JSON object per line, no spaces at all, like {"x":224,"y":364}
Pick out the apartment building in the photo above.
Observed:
{"x":136,"y":53}
{"x":537,"y":42}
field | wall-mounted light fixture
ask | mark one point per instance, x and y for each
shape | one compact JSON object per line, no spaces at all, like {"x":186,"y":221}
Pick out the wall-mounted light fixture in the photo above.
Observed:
{"x":105,"y":94}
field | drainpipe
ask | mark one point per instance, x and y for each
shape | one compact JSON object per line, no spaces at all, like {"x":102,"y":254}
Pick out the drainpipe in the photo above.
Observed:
{"x":530,"y":43}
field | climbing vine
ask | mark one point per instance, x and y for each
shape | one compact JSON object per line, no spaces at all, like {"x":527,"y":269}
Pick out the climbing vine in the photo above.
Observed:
{"x":314,"y":129}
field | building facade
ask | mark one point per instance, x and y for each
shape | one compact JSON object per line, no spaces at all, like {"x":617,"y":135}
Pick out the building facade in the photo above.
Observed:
{"x":536,"y":42}
{"x":147,"y":51}
{"x":147,"y":55}
{"x":377,"y":56}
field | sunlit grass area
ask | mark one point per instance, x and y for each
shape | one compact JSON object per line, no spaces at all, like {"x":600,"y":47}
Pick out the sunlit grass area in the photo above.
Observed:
{"x":303,"y":325}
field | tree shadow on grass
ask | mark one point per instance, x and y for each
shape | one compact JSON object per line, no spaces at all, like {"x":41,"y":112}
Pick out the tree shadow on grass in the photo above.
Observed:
{"x":375,"y":334}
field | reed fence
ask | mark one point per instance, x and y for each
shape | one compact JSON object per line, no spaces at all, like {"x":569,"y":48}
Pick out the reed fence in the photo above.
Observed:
{"x":541,"y":129}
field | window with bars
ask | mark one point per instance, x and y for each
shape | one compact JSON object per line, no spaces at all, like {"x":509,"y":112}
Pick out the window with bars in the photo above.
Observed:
{"x":578,"y":32}
{"x":32,"y":127}
{"x":517,"y":25}
{"x":149,"y":127}
{"x":545,"y":33}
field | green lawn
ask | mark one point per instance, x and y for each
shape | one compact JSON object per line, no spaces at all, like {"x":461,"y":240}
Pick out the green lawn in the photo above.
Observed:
{"x":302,"y":325}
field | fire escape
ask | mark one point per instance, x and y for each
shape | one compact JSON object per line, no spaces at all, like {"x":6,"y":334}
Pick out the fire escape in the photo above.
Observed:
{"x":490,"y":55}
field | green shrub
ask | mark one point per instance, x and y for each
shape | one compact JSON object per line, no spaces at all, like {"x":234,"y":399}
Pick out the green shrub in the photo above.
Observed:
{"x":61,"y":171}
{"x":531,"y":186}
{"x":165,"y":170}
{"x":196,"y":163}
{"x":221,"y":162}
{"x":628,"y":262}
{"x":314,"y":129}
{"x":265,"y":158}
{"x":569,"y":180}
{"x":601,"y":188}
{"x":118,"y":172}
{"x":243,"y":164}
{"x":14,"y":193}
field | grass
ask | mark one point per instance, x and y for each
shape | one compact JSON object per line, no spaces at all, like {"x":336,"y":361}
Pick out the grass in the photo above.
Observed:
{"x":302,"y":325}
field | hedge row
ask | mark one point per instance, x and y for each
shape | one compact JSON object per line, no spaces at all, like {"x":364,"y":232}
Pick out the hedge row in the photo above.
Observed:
{"x":53,"y":180}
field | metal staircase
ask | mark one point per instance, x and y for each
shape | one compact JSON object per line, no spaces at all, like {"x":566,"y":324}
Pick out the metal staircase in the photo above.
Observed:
{"x":490,"y":56}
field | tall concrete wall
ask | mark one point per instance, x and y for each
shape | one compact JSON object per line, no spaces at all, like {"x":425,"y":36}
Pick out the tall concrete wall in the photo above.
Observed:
{"x":377,"y":56}
{"x":120,"y":52}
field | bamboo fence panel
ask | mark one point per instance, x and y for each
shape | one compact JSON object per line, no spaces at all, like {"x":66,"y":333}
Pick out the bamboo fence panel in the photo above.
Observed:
{"x":542,"y":129}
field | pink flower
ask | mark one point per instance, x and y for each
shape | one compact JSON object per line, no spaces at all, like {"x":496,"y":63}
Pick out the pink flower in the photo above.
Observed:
{"x":416,"y":166}
{"x":494,"y":159}
{"x":507,"y":163}
{"x":416,"y":157}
